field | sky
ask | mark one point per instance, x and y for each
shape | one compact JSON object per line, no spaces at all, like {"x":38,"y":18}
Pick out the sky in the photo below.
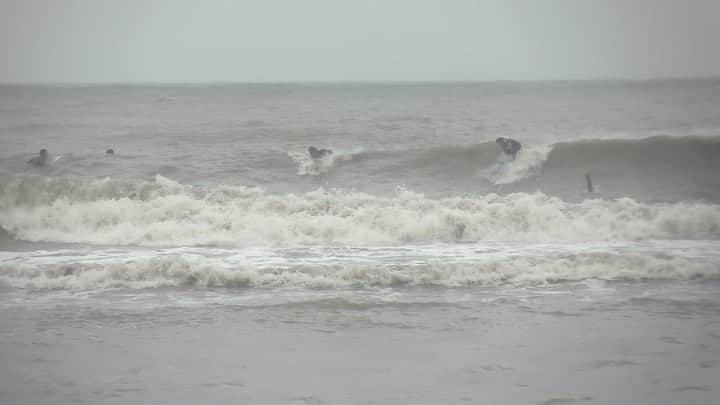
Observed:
{"x":96,"y":41}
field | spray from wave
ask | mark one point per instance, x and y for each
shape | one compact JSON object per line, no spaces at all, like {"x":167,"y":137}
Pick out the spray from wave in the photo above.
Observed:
{"x":307,"y":166}
{"x":527,"y":164}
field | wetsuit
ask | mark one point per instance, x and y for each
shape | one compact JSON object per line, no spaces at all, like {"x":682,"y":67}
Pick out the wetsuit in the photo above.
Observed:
{"x":40,"y":159}
{"x":316,"y":153}
{"x":509,"y":146}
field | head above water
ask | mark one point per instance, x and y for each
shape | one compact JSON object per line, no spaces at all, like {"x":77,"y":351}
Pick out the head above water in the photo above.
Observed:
{"x":43,"y":153}
{"x":109,"y":152}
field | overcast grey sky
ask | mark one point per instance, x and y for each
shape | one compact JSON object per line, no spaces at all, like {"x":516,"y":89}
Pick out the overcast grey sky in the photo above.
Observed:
{"x":355,"y":40}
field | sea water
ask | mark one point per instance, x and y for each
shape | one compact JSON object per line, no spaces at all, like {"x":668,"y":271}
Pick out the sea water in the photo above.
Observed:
{"x":210,"y":260}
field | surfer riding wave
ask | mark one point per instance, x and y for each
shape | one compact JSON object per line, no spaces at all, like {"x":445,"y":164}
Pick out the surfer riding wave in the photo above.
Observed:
{"x":509,"y":146}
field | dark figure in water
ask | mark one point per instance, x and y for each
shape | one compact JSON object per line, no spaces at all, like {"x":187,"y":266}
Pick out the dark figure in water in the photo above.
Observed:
{"x":109,"y":152}
{"x":316,"y":153}
{"x":588,"y":183}
{"x":40,"y":159}
{"x":458,"y":231}
{"x":509,"y":146}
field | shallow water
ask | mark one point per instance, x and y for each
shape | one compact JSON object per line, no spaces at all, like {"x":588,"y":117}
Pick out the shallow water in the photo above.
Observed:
{"x":591,"y":342}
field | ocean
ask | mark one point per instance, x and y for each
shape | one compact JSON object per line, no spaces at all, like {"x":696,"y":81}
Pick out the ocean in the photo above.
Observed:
{"x":211,"y":260}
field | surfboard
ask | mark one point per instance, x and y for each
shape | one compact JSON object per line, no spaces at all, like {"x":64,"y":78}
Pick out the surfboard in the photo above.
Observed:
{"x":503,"y":162}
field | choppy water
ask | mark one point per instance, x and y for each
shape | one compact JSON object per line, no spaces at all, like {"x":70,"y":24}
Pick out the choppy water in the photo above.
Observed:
{"x":210,"y":259}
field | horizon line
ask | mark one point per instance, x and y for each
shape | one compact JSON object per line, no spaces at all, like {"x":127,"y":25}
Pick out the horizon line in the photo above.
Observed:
{"x":351,"y":82}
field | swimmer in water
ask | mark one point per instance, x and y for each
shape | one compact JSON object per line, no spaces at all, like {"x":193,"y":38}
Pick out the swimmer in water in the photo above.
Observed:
{"x":109,"y":152}
{"x":316,"y":153}
{"x":40,"y":159}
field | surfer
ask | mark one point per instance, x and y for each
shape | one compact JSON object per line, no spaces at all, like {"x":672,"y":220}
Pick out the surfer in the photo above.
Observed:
{"x":316,"y":153}
{"x":458,"y":231}
{"x":588,"y":183}
{"x":40,"y":159}
{"x":509,"y":146}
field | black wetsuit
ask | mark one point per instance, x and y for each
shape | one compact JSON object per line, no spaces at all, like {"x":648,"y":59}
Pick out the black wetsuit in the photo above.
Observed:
{"x":509,"y":146}
{"x":316,"y":153}
{"x":40,"y":159}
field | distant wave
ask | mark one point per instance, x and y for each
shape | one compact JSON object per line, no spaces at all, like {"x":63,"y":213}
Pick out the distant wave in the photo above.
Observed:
{"x":163,"y":212}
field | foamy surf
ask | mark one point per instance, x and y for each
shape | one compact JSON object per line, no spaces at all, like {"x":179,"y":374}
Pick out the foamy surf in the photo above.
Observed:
{"x":167,"y":213}
{"x":339,"y":268}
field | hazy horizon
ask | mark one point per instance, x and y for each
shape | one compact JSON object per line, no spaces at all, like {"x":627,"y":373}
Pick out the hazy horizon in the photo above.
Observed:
{"x":323,"y":41}
{"x":367,"y":82}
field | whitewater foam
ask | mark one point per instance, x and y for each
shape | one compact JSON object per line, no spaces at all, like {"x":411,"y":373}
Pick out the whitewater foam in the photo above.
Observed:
{"x":359,"y":268}
{"x":166,"y":213}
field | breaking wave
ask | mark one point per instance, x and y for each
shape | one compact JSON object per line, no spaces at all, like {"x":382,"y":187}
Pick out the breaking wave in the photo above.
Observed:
{"x":650,"y":169}
{"x":657,"y":168}
{"x":183,"y":271}
{"x":163,"y":212}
